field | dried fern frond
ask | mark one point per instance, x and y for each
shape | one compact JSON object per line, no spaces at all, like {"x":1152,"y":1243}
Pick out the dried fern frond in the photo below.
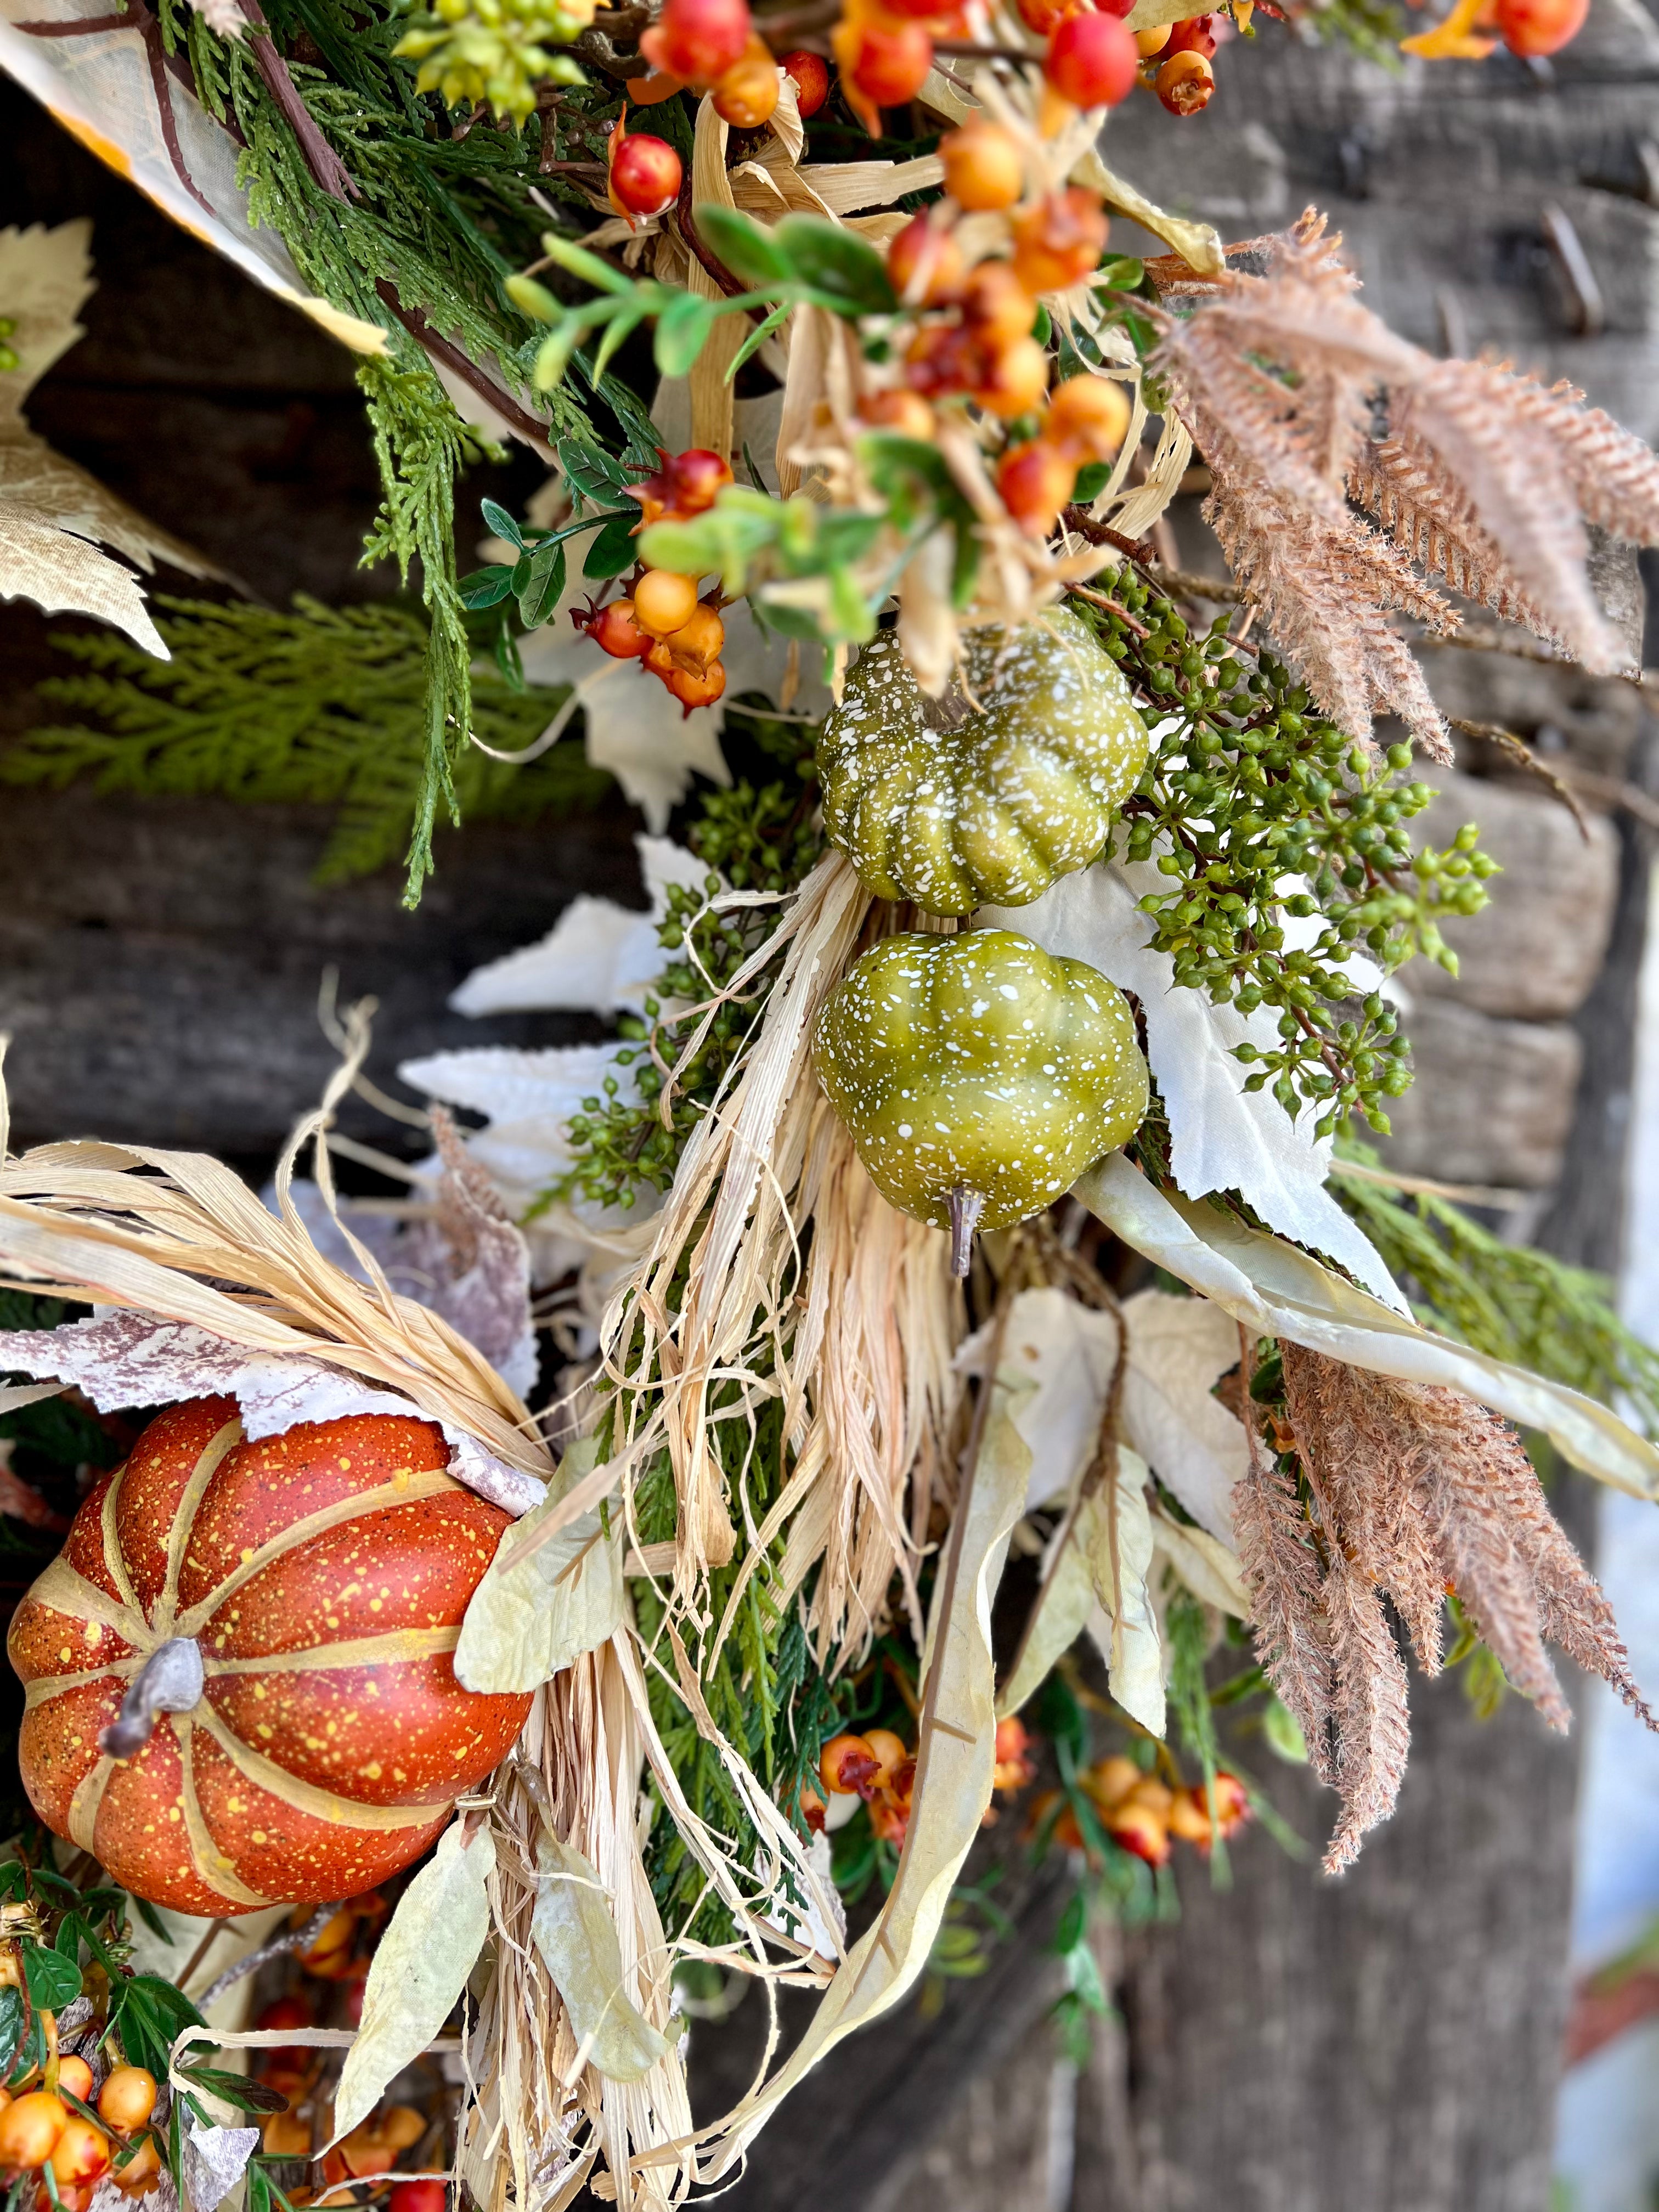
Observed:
{"x":1482,"y":476}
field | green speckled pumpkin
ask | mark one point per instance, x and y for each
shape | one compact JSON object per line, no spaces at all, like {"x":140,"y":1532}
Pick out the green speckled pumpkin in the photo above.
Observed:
{"x":954,"y":805}
{"x":978,"y":1074}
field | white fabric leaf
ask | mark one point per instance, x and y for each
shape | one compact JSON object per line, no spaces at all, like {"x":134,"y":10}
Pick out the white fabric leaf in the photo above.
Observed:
{"x":598,"y":957}
{"x":62,"y":575}
{"x":1126,"y":1638}
{"x":429,"y":1947}
{"x":45,"y":279}
{"x":820,"y":1921}
{"x":572,"y":1929}
{"x":1209,"y":1569}
{"x":532,"y":1615}
{"x":125,"y":1358}
{"x":1222,"y":1136}
{"x":1278,"y":1290}
{"x":215,"y":2160}
{"x":1063,"y":1353}
{"x":1179,"y":1348}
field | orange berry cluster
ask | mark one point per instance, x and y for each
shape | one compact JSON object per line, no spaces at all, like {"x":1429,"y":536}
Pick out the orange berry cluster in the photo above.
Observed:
{"x":713,"y":47}
{"x":662,"y":624}
{"x":1144,"y":1815}
{"x":976,"y":339}
{"x":875,"y":1766}
{"x":1175,"y":61}
{"x":41,"y":2129}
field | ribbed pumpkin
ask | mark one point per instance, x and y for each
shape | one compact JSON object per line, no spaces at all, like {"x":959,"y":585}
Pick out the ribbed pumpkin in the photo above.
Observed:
{"x":292,"y":1606}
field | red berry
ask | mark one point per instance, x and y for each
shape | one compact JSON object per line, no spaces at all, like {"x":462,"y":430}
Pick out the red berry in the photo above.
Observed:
{"x":1043,"y":16}
{"x":697,"y":478}
{"x":615,"y":631}
{"x":1036,"y":481}
{"x":811,"y":75}
{"x":644,"y":175}
{"x":426,"y":2196}
{"x":698,"y":39}
{"x":946,"y":358}
{"x":1091,"y":61}
{"x":1185,"y":82}
{"x":1531,"y":28}
{"x":1195,"y":36}
{"x":889,"y":62}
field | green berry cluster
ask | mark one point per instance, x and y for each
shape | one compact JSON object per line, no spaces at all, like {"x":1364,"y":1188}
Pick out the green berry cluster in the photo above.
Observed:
{"x":764,"y":841}
{"x":494,"y":53}
{"x":1246,"y":786}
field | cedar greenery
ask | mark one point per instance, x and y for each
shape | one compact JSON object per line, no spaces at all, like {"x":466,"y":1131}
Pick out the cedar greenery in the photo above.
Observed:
{"x":320,"y":706}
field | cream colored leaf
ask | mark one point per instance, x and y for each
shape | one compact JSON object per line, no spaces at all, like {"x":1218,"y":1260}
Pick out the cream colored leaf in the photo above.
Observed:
{"x":1209,"y":1571}
{"x":62,"y":575}
{"x":955,"y":1760}
{"x":1064,"y":1600}
{"x":1057,"y":1358}
{"x":1198,"y":243}
{"x":46,"y":278}
{"x":1223,"y":1136}
{"x":1133,"y":512}
{"x":572,"y":1929}
{"x":34,"y":477}
{"x":1123,"y":1623}
{"x":1179,"y":1348}
{"x":538,"y":1609}
{"x":1278,"y":1290}
{"x":429,"y":1947}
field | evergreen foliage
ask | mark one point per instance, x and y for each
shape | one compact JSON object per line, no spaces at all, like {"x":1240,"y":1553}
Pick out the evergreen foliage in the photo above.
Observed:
{"x":319,"y":705}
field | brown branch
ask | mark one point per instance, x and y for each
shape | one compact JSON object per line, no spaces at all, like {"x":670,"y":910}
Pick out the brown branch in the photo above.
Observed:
{"x":323,"y":163}
{"x":688,"y":230}
{"x":528,"y":426}
{"x":594,"y":47}
{"x":1518,"y":751}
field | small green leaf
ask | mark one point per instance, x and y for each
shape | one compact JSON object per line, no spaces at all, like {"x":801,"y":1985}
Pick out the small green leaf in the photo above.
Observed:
{"x":1091,"y":481}
{"x":540,"y":596}
{"x":11,"y":2026}
{"x":501,"y":522}
{"x":837,"y":263}
{"x":1123,"y":273}
{"x":239,"y":2089}
{"x":53,"y":1980}
{"x":681,"y":332}
{"x":588,"y":266}
{"x":615,"y":550}
{"x":532,"y":299}
{"x":620,"y":327}
{"x":1283,"y":1733}
{"x":485,"y":587}
{"x":756,"y":338}
{"x":756,"y":255}
{"x":590,"y":470}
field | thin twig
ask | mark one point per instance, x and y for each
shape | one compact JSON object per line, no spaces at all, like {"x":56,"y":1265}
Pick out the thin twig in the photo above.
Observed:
{"x":297,"y":1939}
{"x":323,"y":163}
{"x":528,"y":426}
{"x":1518,"y":751}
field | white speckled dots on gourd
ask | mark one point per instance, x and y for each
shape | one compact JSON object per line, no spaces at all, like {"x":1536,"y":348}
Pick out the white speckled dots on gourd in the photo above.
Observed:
{"x":979,"y":1064}
{"x":952,"y":805}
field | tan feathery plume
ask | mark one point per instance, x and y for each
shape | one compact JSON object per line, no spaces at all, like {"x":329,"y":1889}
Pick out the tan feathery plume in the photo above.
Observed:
{"x":1418,"y":1492}
{"x":1302,"y":401}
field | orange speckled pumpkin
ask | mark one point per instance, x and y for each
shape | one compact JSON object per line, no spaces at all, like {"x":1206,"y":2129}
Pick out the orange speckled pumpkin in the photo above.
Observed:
{"x":290,"y":1609}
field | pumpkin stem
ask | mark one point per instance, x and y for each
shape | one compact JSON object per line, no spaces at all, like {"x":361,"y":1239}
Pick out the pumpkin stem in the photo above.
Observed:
{"x":170,"y":1680}
{"x":965,"y":1207}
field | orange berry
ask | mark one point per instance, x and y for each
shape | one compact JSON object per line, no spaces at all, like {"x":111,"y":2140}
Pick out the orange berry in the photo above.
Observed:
{"x":663,"y":601}
{"x":80,"y":2154}
{"x":697,"y":641}
{"x":747,"y":92}
{"x":889,"y":62}
{"x":1531,"y":28}
{"x":644,"y":175}
{"x":695,"y":687}
{"x":1091,"y":412}
{"x":889,"y":1752}
{"x":1060,"y":241}
{"x":847,"y":1764}
{"x":924,"y":264}
{"x":906,"y":413}
{"x":811,"y":75}
{"x":1185,"y":82}
{"x":1091,"y":61}
{"x":29,"y":2129}
{"x":74,"y":2078}
{"x":1148,"y":43}
{"x":143,"y":2171}
{"x":698,"y":41}
{"x":128,"y":2097}
{"x":1233,"y":1802}
{"x":651,"y":91}
{"x":1189,"y":1819}
{"x":1035,"y":481}
{"x":812,"y":1809}
{"x":1156,"y":1796}
{"x":287,"y":2134}
{"x":888,"y":1820}
{"x":984,"y":167}
{"x":1112,"y":1780}
{"x":1139,"y":1829}
{"x":1043,"y":16}
{"x":996,"y":305}
{"x":615,"y":631}
{"x":11,"y":1971}
{"x":1017,"y":379}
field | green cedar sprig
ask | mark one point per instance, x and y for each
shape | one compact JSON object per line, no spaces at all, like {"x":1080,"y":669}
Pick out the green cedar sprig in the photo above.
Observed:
{"x":1248,"y":784}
